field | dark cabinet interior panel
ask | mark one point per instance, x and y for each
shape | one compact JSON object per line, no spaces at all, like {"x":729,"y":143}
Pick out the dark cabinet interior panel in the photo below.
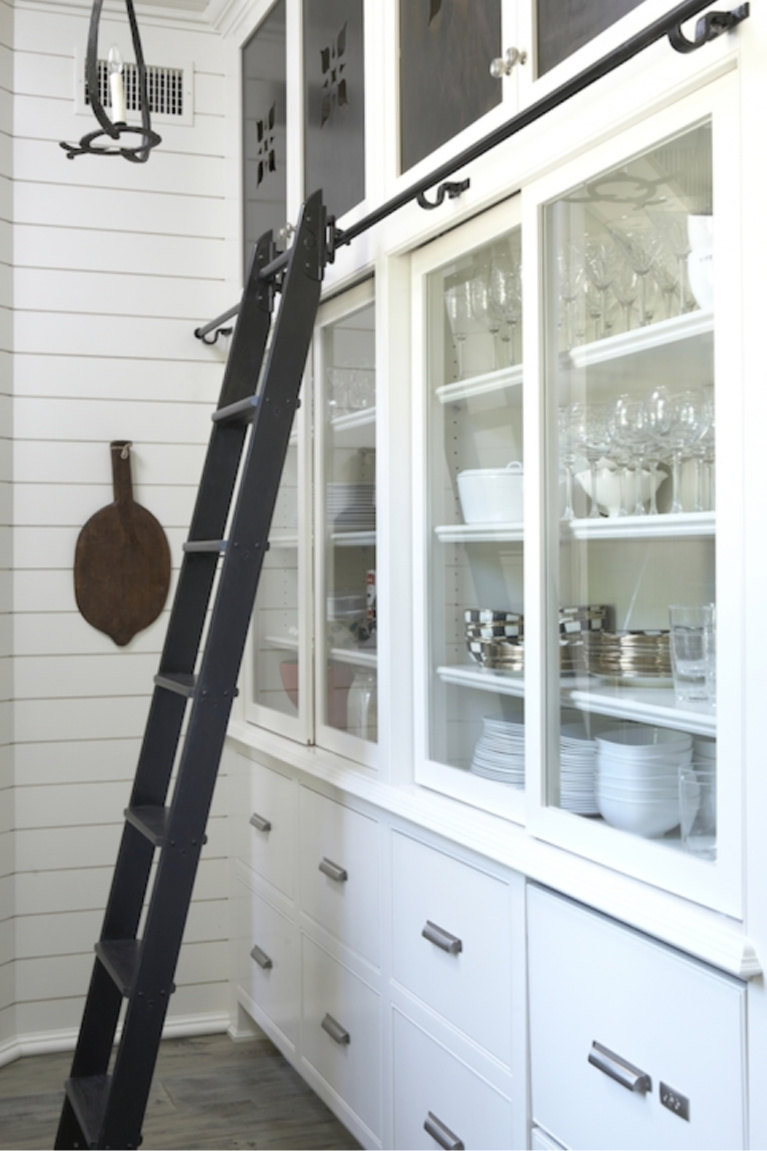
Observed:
{"x":334,"y":102}
{"x":446,"y":47}
{"x":563,"y":26}
{"x":264,"y":128}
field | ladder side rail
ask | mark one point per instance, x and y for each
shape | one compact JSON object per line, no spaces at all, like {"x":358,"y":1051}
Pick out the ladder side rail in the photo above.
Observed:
{"x":159,"y":747}
{"x":219,"y":669}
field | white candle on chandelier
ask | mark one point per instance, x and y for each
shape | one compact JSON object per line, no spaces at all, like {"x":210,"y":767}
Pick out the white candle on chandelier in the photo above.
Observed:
{"x":116,"y":85}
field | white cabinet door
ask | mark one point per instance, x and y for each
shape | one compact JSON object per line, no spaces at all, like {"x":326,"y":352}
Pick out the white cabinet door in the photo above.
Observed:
{"x":272,"y":823}
{"x":339,"y":871}
{"x":342,"y":1033}
{"x":268,"y":962}
{"x":438,"y":1100}
{"x":452,"y":942}
{"x":633,"y":1045}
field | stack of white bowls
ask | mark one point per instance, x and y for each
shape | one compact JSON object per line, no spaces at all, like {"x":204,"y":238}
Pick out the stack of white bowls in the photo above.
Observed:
{"x":638,"y":777}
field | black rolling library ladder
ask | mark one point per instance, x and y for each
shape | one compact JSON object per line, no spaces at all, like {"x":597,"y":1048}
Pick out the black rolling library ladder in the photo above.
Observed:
{"x":104,"y":1107}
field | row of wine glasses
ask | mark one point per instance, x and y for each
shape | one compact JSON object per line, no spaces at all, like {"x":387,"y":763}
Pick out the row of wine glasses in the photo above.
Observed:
{"x":635,"y":435}
{"x":488,"y":300}
{"x":627,"y":276}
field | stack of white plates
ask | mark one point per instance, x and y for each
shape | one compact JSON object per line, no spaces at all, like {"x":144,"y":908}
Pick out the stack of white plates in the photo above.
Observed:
{"x":351,"y":507}
{"x":500,"y":752}
{"x":638,"y":777}
{"x":577,"y":770}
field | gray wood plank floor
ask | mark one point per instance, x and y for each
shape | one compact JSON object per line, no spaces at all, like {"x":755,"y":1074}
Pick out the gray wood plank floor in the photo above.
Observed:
{"x":208,"y":1092}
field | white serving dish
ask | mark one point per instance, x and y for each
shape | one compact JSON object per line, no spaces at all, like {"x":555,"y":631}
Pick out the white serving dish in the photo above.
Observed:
{"x":492,"y":495}
{"x":610,"y":482}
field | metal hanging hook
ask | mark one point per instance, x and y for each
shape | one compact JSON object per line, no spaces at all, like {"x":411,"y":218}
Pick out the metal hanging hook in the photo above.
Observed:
{"x":452,"y":189}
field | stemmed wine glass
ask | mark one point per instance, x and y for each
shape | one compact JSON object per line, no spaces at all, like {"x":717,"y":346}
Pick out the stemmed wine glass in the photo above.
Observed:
{"x":567,"y":456}
{"x":679,"y":421}
{"x":625,"y":287}
{"x":599,"y":265}
{"x":458,"y":304}
{"x":571,"y":274}
{"x":640,"y":248}
{"x":589,"y":428}
{"x":504,"y":300}
{"x":630,"y":430}
{"x":672,"y":226}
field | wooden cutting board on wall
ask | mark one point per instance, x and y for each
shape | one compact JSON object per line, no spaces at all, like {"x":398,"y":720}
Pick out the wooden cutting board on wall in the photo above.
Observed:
{"x":122,"y":560}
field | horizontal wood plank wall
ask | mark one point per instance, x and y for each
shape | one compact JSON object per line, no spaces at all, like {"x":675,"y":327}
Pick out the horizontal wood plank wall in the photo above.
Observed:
{"x":115,"y":265}
{"x":7,"y":950}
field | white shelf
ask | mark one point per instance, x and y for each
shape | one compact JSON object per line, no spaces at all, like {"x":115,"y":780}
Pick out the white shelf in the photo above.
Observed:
{"x":479,"y":533}
{"x":355,"y":429}
{"x":653,"y":705}
{"x":638,"y":527}
{"x":353,"y":539}
{"x":283,"y":540}
{"x":281,"y":642}
{"x":510,"y":377}
{"x":642,"y":340}
{"x":354,"y":656}
{"x":484,"y":679}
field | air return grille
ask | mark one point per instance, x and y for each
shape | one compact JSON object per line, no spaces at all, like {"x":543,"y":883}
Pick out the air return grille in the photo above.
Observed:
{"x":165,"y":88}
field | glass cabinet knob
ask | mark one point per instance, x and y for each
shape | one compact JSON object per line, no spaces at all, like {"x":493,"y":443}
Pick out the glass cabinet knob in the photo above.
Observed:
{"x":503,"y":65}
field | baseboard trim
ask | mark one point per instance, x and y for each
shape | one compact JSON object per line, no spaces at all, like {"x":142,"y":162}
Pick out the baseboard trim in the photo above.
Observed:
{"x":51,"y":1042}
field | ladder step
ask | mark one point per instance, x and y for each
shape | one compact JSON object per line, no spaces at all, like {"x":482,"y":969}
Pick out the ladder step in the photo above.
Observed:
{"x":88,"y":1096}
{"x":241,"y":412}
{"x":152,"y":822}
{"x":217,"y":546}
{"x":182,"y":682}
{"x":120,"y":958}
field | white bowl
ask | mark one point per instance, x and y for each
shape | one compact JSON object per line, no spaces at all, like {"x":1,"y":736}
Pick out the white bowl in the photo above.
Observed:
{"x":668,"y":789}
{"x":700,"y":262}
{"x":648,"y":819}
{"x":492,"y":495}
{"x":610,"y":489}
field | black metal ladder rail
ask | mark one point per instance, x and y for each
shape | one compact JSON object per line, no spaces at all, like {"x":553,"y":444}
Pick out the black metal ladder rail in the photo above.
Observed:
{"x":103,"y":1108}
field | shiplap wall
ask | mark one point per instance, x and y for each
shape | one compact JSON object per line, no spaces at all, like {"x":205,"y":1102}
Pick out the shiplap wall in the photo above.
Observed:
{"x":115,"y":265}
{"x":7,"y":1024}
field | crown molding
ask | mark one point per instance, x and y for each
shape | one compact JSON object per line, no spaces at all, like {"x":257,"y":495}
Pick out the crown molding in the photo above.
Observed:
{"x":190,"y":14}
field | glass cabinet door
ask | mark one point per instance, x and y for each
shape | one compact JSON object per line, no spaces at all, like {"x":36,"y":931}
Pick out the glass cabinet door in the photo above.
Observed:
{"x":632,"y":413}
{"x":345,"y":430}
{"x":278,"y":672}
{"x":471,"y":617}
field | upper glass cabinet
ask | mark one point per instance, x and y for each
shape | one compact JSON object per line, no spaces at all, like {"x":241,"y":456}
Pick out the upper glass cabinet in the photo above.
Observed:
{"x":469,"y":310}
{"x":635,"y":619}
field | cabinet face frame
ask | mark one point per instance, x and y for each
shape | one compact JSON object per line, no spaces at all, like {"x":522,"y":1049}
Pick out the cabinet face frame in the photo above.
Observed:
{"x":717,"y":885}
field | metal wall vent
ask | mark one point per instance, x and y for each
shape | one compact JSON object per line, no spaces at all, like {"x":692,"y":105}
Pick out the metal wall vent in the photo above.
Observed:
{"x":165,"y":88}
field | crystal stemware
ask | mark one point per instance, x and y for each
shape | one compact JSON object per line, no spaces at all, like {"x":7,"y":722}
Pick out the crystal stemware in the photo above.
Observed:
{"x":571,"y":274}
{"x":679,"y":421}
{"x":504,"y":301}
{"x":640,"y":247}
{"x":589,"y":427}
{"x":460,"y":315}
{"x":600,"y":267}
{"x":672,"y":226}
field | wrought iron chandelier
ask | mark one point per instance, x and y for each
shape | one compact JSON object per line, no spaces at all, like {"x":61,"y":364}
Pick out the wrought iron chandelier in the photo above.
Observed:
{"x":116,"y":128}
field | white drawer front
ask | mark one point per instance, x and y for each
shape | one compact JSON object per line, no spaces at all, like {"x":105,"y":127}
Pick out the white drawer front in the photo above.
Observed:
{"x":342,"y":1032}
{"x":470,"y":987}
{"x":340,"y":872}
{"x":269,"y":961}
{"x":432,"y":1086}
{"x":271,"y":832}
{"x":670,"y":1017}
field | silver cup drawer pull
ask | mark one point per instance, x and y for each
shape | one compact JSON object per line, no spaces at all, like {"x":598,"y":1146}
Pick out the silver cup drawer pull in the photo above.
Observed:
{"x":261,"y":958}
{"x":336,"y":1032}
{"x":260,"y":823}
{"x":619,"y":1069}
{"x":441,"y":938}
{"x":333,"y":870}
{"x":442,"y":1134}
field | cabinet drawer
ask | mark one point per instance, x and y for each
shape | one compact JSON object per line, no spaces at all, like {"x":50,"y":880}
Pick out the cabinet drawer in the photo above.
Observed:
{"x":432,"y":1086}
{"x":268,"y":960}
{"x":467,"y":981}
{"x":342,"y":1033}
{"x":271,"y":831}
{"x":671,"y":1018}
{"x":340,"y":871}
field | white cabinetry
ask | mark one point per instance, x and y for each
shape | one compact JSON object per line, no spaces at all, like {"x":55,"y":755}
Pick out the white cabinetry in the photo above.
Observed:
{"x":632,"y":1044}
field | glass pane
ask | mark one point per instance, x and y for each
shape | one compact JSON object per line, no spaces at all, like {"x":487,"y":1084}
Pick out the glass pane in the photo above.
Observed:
{"x":275,"y":619}
{"x":334,"y":102}
{"x":563,"y":26}
{"x":445,"y":84}
{"x":348,"y":357}
{"x":629,"y":328}
{"x":263,"y":127}
{"x":476,"y":467}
